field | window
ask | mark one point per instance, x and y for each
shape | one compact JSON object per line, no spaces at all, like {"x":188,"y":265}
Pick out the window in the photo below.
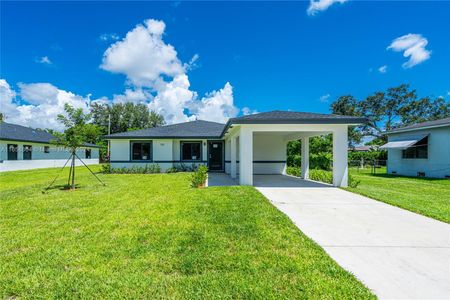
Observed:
{"x":418,"y":150}
{"x":191,"y":151}
{"x":12,"y":151}
{"x":87,"y":153}
{"x":27,"y":150}
{"x":46,"y":149}
{"x":141,"y":151}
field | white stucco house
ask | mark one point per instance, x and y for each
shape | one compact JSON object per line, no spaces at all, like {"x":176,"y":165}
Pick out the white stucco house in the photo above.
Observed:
{"x":23,"y":148}
{"x":420,"y":150}
{"x":244,"y":146}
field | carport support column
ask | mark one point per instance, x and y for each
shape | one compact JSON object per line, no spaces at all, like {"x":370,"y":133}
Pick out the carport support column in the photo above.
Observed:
{"x":246,"y":156}
{"x":305,"y":158}
{"x":233,"y":156}
{"x":340,"y":156}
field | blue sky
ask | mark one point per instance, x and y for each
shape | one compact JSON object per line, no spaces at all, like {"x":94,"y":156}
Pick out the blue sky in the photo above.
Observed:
{"x":273,"y":55}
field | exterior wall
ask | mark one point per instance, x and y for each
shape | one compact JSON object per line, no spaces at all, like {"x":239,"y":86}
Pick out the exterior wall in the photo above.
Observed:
{"x":166,"y":153}
{"x":56,"y":157}
{"x":436,"y":165}
{"x":269,"y":154}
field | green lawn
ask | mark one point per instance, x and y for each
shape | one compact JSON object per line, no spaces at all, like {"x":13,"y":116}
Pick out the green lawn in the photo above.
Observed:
{"x":429,"y":197}
{"x":152,"y":236}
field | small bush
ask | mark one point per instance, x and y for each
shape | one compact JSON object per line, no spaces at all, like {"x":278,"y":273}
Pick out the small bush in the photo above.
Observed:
{"x":147,"y":169}
{"x":321,"y":175}
{"x":352,"y":182}
{"x":172,"y":170}
{"x":294,"y":171}
{"x":198,"y":178}
{"x":106,"y":168}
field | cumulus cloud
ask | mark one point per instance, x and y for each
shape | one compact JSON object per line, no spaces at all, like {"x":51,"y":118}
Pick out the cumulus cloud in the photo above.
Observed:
{"x":248,"y":111}
{"x":44,"y":60}
{"x":42,"y":102}
{"x":316,"y":6}
{"x":154,"y":70}
{"x":142,"y":55}
{"x":155,"y":76}
{"x":382,"y":69}
{"x":413,"y":46}
{"x":217,"y":106}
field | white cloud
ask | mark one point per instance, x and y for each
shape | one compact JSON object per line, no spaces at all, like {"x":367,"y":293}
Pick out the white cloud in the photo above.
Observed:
{"x":44,"y":60}
{"x":106,"y":37}
{"x":142,"y":55}
{"x":155,"y":76}
{"x":173,"y":98}
{"x":413,"y":46}
{"x":217,"y":106}
{"x":136,"y":96}
{"x":382,"y":69}
{"x":325,"y":98}
{"x":316,"y":6}
{"x":192,"y":64}
{"x":44,"y":103}
{"x":160,"y":79}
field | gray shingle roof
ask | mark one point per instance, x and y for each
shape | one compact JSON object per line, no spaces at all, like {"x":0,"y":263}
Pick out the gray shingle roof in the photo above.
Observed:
{"x":292,"y":117}
{"x":206,"y":129}
{"x":436,"y":123}
{"x":193,"y":129}
{"x":13,"y":132}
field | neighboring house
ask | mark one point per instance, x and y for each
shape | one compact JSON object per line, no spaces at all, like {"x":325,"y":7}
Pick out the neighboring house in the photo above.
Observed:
{"x":420,"y":150}
{"x":247,"y":145}
{"x":23,"y":148}
{"x":363,"y":148}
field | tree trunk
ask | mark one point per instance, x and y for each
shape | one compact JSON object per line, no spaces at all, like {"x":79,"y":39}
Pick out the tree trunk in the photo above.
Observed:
{"x":73,"y":170}
{"x":70,"y":173}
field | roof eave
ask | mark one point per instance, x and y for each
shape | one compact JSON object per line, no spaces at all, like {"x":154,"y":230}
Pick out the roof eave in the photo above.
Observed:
{"x":400,"y":130}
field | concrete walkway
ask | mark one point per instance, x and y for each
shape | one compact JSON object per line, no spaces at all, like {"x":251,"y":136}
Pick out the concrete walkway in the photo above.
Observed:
{"x":396,"y":253}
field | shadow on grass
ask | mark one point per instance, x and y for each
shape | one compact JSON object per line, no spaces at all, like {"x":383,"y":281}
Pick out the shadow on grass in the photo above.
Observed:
{"x":384,"y":175}
{"x":61,"y":187}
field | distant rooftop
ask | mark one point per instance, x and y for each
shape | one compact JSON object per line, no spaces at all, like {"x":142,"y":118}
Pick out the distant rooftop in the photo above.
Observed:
{"x":423,"y":125}
{"x":19,"y":133}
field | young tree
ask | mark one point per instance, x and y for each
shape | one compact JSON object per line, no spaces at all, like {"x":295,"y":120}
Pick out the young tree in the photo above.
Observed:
{"x":76,"y":133}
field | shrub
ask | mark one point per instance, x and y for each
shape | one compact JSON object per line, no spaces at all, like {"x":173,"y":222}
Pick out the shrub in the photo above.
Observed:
{"x":172,"y":170}
{"x":321,"y":175}
{"x":147,"y":169}
{"x":198,"y":178}
{"x":294,"y":171}
{"x":352,"y":182}
{"x":106,"y":168}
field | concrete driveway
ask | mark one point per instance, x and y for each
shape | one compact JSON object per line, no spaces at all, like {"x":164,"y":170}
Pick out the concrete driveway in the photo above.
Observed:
{"x":394,"y":252}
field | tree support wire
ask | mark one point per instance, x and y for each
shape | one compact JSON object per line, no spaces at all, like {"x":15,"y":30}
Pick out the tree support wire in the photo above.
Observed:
{"x":59,"y":173}
{"x":72,"y":167}
{"x":90,"y":170}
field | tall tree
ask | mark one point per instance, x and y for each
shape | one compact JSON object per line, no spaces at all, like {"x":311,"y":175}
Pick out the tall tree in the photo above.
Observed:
{"x":125,"y":117}
{"x":2,"y":117}
{"x":397,"y":106}
{"x":348,"y":105}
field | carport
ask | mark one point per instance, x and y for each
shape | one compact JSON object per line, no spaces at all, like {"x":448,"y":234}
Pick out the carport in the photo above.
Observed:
{"x":257,"y":144}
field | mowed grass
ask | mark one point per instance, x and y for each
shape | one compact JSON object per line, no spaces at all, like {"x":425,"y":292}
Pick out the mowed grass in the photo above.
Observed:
{"x":152,"y":236}
{"x":426,"y":196}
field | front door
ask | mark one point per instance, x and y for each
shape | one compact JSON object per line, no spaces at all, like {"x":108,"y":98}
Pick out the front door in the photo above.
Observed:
{"x":215,"y":152}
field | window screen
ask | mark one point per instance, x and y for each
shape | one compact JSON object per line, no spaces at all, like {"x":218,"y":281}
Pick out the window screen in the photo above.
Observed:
{"x":141,"y":151}
{"x":418,"y":150}
{"x":191,"y":151}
